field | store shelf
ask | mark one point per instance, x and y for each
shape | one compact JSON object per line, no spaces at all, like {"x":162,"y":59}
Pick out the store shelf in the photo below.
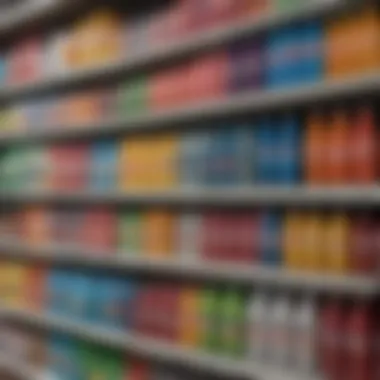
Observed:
{"x":227,"y":197}
{"x":150,"y":348}
{"x":243,"y":274}
{"x":251,"y":102}
{"x":32,"y":12}
{"x":179,"y":50}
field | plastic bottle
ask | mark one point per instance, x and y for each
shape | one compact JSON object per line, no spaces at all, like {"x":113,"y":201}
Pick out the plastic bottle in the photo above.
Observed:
{"x":232,"y":329}
{"x":315,"y":148}
{"x":280,"y":335}
{"x":362,"y":244}
{"x":360,"y":347}
{"x":313,"y":242}
{"x":256,"y":317}
{"x":336,"y":246}
{"x":332,"y":346}
{"x":363,"y":149}
{"x":337,"y":169}
{"x":271,"y":238}
{"x":304,"y":345}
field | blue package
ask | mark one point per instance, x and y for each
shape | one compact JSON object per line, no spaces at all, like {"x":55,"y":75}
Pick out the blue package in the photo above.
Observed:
{"x":3,"y":69}
{"x":194,"y":153}
{"x":265,"y":149}
{"x":108,"y":301}
{"x":311,"y":37}
{"x":104,"y":160}
{"x":79,"y":285}
{"x":230,"y":157}
{"x":270,"y":238}
{"x":58,"y":292}
{"x":131,"y":289}
{"x":63,"y":360}
{"x":281,"y":56}
{"x":288,"y":152}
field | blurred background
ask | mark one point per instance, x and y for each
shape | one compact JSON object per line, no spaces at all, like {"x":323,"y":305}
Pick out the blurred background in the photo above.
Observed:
{"x":189,"y":190}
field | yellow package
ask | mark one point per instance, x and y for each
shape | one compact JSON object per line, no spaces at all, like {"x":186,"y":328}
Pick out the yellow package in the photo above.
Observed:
{"x":16,"y":282}
{"x":99,"y":37}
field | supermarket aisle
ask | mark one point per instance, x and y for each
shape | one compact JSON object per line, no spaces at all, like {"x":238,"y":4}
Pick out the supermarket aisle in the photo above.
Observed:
{"x":190,"y":192}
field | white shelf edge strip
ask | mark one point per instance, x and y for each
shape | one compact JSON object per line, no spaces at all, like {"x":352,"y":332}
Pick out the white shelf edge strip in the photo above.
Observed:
{"x":249,"y":102}
{"x":239,"y":196}
{"x":240,"y":273}
{"x":148,"y":347}
{"x":32,"y":11}
{"x":181,"y":48}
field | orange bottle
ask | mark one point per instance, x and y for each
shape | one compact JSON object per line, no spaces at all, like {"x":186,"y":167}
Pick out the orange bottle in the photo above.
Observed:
{"x":315,"y":149}
{"x":336,"y":243}
{"x":363,"y":147}
{"x":338,"y":145}
{"x":364,"y":40}
{"x":292,"y":243}
{"x":313,"y":242}
{"x":337,"y":48}
{"x":189,"y":329}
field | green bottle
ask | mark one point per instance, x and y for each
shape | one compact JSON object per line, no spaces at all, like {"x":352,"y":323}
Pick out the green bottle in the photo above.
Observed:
{"x":233,"y":321}
{"x":210,"y":301}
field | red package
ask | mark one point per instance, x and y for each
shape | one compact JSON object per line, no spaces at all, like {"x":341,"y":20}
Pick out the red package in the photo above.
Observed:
{"x":140,"y":311}
{"x":25,"y":61}
{"x":245,"y":247}
{"x":99,"y":232}
{"x":210,"y":77}
{"x":138,"y":370}
{"x":171,"y":312}
{"x":69,"y":169}
{"x":332,"y":326}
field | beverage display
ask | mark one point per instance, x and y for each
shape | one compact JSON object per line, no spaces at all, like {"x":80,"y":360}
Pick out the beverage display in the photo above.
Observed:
{"x":128,"y":131}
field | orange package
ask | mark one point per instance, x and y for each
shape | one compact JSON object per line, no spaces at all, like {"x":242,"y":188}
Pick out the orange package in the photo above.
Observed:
{"x":35,"y":296}
{"x":189,"y":321}
{"x":338,"y":138}
{"x":158,"y":233}
{"x":15,"y":285}
{"x":353,"y":43}
{"x":164,"y":163}
{"x":36,"y":225}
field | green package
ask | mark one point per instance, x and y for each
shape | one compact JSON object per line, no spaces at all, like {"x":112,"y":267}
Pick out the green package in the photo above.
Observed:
{"x":101,"y":363}
{"x":288,"y":5}
{"x":130,"y":233}
{"x":132,"y":98}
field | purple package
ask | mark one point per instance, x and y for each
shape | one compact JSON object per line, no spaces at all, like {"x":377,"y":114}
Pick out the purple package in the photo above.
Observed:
{"x":246,"y":66}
